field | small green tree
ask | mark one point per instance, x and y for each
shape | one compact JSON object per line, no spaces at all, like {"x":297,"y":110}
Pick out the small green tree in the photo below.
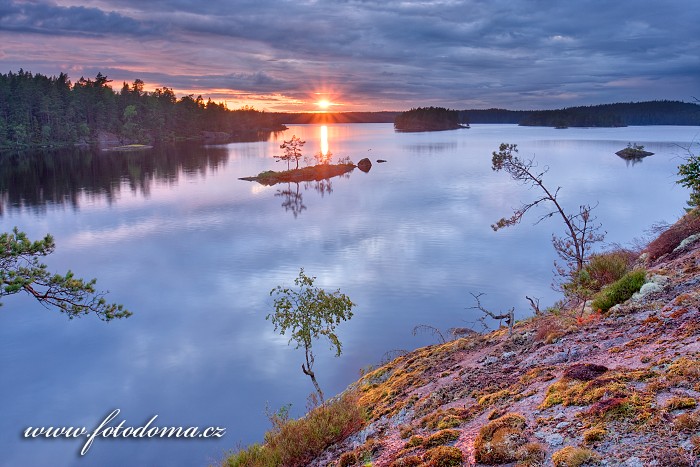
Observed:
{"x":20,"y":270}
{"x":690,"y":177}
{"x":307,"y":313}
{"x":292,"y":150}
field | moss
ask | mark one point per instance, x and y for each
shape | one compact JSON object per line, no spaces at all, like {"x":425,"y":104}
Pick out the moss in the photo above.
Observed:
{"x":531,"y":455}
{"x":593,"y":435}
{"x":619,"y":291}
{"x":584,"y":371}
{"x":440,"y":438}
{"x":385,"y":395}
{"x":612,"y":408}
{"x":410,"y":461}
{"x":685,"y":369}
{"x":347,"y":459}
{"x":450,"y":418}
{"x":490,"y":399}
{"x":499,"y":440}
{"x":414,"y":442}
{"x":443,"y":456}
{"x":405,"y":431}
{"x":678,"y":403}
{"x":687,"y":422}
{"x":571,"y":456}
{"x":567,"y":392}
{"x":636,"y":408}
{"x":695,"y":444}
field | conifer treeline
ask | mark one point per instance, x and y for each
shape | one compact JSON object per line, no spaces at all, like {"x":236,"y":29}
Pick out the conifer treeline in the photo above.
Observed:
{"x":607,"y":115}
{"x":37,"y":110}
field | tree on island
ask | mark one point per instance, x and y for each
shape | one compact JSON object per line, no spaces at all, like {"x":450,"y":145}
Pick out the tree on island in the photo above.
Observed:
{"x":292,"y":150}
{"x":20,"y":270}
{"x":308,"y":312}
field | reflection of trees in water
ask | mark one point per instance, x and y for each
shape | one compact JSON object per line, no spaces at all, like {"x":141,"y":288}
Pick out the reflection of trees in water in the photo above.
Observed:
{"x":37,"y":180}
{"x":293,"y":200}
{"x":632,"y":161}
{"x":321,"y":186}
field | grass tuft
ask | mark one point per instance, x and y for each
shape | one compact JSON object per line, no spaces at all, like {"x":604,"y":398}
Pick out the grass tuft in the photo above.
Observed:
{"x":499,"y":440}
{"x":571,"y":456}
{"x":294,"y":443}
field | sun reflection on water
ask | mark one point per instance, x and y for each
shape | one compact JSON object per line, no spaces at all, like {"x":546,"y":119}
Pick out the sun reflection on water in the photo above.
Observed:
{"x":325,"y":154}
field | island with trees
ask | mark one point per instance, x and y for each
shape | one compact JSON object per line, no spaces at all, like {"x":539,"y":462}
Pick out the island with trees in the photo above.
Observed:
{"x":428,"y":119}
{"x":633,"y":151}
{"x":323,"y":170}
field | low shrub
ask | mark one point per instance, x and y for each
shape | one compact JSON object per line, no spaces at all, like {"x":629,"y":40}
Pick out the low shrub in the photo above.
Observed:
{"x":619,"y":291}
{"x":606,"y":268}
{"x":666,"y":242}
{"x":602,"y":269}
{"x":548,"y":329}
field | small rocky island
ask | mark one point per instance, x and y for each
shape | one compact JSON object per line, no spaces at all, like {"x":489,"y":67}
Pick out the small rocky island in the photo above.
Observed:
{"x":428,"y":119}
{"x":633,"y":151}
{"x":304,"y":174}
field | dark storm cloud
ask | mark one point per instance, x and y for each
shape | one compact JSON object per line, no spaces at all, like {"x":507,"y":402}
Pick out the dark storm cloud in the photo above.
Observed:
{"x":51,"y":19}
{"x":394,"y":54}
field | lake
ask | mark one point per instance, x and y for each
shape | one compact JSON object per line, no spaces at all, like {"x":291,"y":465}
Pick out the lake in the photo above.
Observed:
{"x":193,"y":251}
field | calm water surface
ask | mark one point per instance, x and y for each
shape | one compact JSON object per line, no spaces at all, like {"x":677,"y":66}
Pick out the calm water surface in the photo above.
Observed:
{"x":193,"y":251}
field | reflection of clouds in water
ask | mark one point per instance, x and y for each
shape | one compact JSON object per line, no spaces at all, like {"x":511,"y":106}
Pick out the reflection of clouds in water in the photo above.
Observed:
{"x":196,"y":263}
{"x":429,"y":148}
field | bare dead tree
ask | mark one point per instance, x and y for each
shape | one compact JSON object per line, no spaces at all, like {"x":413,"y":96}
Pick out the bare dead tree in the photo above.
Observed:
{"x":535,"y":305}
{"x":581,"y":230}
{"x":508,"y":316}
{"x":390,"y":355}
{"x":431,"y":329}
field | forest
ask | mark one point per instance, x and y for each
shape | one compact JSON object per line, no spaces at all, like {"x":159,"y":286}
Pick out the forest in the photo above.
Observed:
{"x":605,"y":115}
{"x":38,"y":110}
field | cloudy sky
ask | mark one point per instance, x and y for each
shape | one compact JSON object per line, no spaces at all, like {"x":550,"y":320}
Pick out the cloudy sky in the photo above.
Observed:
{"x":368,"y":54}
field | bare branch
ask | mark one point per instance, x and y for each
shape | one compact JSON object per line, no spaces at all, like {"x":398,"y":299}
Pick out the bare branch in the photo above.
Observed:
{"x":508,"y":316}
{"x":431,"y":329}
{"x":535,"y":304}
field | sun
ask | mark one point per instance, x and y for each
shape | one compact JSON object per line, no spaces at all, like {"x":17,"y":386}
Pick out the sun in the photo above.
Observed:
{"x":323,"y":104}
